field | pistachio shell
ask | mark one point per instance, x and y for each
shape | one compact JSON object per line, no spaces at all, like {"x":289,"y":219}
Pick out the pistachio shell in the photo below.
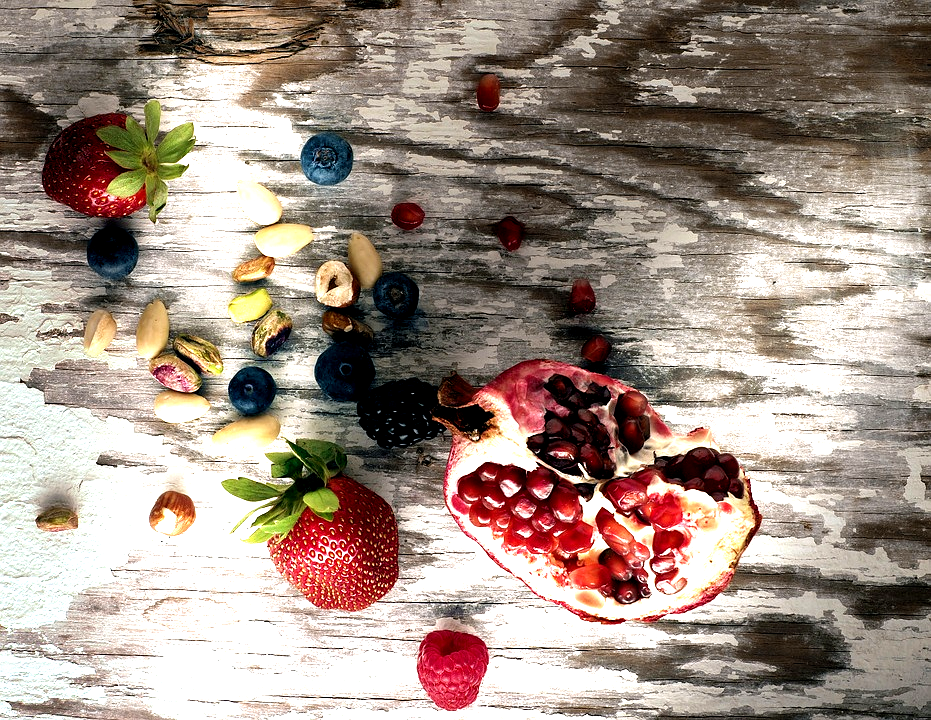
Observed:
{"x":247,"y":435}
{"x":340,"y":326}
{"x":258,"y":203}
{"x":271,"y":332}
{"x":152,"y":330}
{"x":175,"y":374}
{"x":203,"y":353}
{"x":283,"y":239}
{"x":172,"y":406}
{"x":56,"y":519}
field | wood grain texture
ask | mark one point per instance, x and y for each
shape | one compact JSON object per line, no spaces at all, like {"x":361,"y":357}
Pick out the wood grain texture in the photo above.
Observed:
{"x":746,"y":185}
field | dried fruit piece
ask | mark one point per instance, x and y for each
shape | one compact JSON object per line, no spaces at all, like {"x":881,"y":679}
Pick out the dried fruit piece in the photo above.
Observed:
{"x":271,"y":332}
{"x":172,"y":513}
{"x":175,"y":374}
{"x":581,"y":297}
{"x":407,"y":215}
{"x":257,"y":268}
{"x":283,"y":239}
{"x":56,"y":519}
{"x":340,"y":326}
{"x":247,"y":435}
{"x":450,"y":666}
{"x":488,"y":92}
{"x":510,"y":231}
{"x":172,"y":406}
{"x":249,"y":307}
{"x":364,"y":260}
{"x":336,"y":286}
{"x":596,"y":349}
{"x":202,"y":353}
{"x":152,"y":330}
{"x":98,"y":333}
{"x":258,"y":203}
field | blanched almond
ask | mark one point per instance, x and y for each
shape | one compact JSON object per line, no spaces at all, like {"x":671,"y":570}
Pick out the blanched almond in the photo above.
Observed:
{"x":364,"y":260}
{"x":178,"y":407}
{"x":98,"y":332}
{"x":152,"y":330}
{"x":283,"y":239}
{"x":258,"y":203}
{"x":249,"y":434}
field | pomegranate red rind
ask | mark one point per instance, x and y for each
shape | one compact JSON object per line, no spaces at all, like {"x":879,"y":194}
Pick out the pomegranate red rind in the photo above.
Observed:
{"x":578,"y":488}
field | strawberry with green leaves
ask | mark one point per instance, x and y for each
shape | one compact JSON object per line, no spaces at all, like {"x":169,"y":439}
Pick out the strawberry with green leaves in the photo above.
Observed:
{"x":330,"y":537}
{"x":110,"y":166}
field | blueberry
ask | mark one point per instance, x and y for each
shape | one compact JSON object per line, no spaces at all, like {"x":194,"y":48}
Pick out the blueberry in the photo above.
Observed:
{"x":396,"y":295}
{"x":326,"y":159}
{"x":112,"y":252}
{"x":252,"y":390}
{"x":344,"y":371}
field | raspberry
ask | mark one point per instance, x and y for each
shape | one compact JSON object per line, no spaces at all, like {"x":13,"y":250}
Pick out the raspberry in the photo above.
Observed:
{"x":398,"y":413}
{"x":451,"y":666}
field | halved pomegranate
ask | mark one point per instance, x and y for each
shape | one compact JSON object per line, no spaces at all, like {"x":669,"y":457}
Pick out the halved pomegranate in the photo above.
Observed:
{"x":572,"y":482}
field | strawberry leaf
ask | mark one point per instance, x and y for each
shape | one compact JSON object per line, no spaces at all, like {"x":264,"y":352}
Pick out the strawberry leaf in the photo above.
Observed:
{"x":121,"y":139}
{"x":316,"y":466}
{"x":177,"y":143}
{"x":282,"y":526}
{"x":128,"y":183}
{"x":171,"y":171}
{"x":125,"y":159}
{"x":259,"y":536}
{"x":290,"y":468}
{"x":331,"y":454}
{"x":251,"y":490}
{"x":323,"y":502}
{"x":153,"y":118}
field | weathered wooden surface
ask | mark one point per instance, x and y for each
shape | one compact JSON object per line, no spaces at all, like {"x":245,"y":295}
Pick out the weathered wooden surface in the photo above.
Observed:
{"x":747,"y":187}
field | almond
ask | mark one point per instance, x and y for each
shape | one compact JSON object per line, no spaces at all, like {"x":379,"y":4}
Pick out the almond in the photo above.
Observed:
{"x":283,"y":239}
{"x":173,"y":406}
{"x":249,"y":434}
{"x":98,"y":333}
{"x":364,"y":260}
{"x":258,"y":203}
{"x":152,"y":330}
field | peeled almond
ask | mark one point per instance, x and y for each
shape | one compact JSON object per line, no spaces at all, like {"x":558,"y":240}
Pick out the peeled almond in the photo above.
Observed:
{"x":247,"y":435}
{"x":172,"y":406}
{"x":152,"y":330}
{"x":364,"y":260}
{"x":258,"y":203}
{"x":283,"y":239}
{"x":98,"y":333}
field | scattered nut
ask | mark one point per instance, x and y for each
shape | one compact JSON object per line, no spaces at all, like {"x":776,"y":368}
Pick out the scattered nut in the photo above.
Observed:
{"x":271,"y":332}
{"x":152,"y":330}
{"x":283,"y":239}
{"x":258,"y":268}
{"x":175,"y":374}
{"x":249,"y":307}
{"x":172,"y":406}
{"x":258,"y":203}
{"x":336,"y":286}
{"x":56,"y":519}
{"x":248,"y":434}
{"x":340,"y":326}
{"x":203,"y":353}
{"x":98,"y":332}
{"x":364,"y":260}
{"x":172,"y":513}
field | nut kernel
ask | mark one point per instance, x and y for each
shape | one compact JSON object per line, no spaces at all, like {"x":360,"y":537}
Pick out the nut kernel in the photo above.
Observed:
{"x":175,"y":374}
{"x":152,"y":330}
{"x":172,"y":406}
{"x":336,"y":286}
{"x":340,"y":326}
{"x":283,"y":239}
{"x":98,"y":333}
{"x":364,"y":260}
{"x":258,"y":268}
{"x":248,"y":434}
{"x":202,"y":353}
{"x":258,"y":203}
{"x":251,"y":306}
{"x":172,"y":513}
{"x":271,"y":332}
{"x":56,"y":519}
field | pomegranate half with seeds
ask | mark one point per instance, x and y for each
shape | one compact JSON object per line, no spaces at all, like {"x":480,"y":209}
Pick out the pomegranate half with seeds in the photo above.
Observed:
{"x":572,"y":482}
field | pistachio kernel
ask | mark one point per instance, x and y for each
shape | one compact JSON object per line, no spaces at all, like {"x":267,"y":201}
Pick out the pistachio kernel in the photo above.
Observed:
{"x":175,"y":374}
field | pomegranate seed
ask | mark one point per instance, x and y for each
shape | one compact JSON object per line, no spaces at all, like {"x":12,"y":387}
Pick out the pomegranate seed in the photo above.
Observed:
{"x":541,"y":544}
{"x":619,"y":569}
{"x":521,"y":527}
{"x":407,"y":215}
{"x":512,"y":542}
{"x":581,"y":297}
{"x":510,"y":480}
{"x":590,"y":577}
{"x":632,"y":403}
{"x":716,"y":479}
{"x":627,"y":592}
{"x":631,"y":435}
{"x":696,"y":461}
{"x":625,"y":493}
{"x":470,"y":488}
{"x":669,"y":584}
{"x":522,"y":506}
{"x":596,"y":349}
{"x":577,"y":540}
{"x":556,"y":427}
{"x":500,"y":518}
{"x":665,"y":513}
{"x":540,"y":483}
{"x":730,"y":465}
{"x":492,"y":497}
{"x":615,"y":535}
{"x":488,"y":92}
{"x":592,"y":460}
{"x":510,"y":232}
{"x":479,"y":515}
{"x":662,"y":564}
{"x":736,"y":488}
{"x":637,"y":555}
{"x":665,"y":540}
{"x":562,"y":452}
{"x":565,"y":503}
{"x":543,"y":520}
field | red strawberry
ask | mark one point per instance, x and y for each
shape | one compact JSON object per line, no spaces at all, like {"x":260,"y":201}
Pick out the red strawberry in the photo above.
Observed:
{"x":451,"y":666}
{"x":331,"y":538}
{"x":109,"y":166}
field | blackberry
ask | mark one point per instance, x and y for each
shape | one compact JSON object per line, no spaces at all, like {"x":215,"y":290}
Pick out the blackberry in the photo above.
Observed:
{"x":398,"y":413}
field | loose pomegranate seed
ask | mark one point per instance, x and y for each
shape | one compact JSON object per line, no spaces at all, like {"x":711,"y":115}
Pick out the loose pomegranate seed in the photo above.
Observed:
{"x":615,"y":535}
{"x":581,"y":297}
{"x":488,"y":92}
{"x":590,"y":577}
{"x":565,"y":503}
{"x":407,"y":215}
{"x":470,"y":488}
{"x":632,"y":403}
{"x":510,"y":232}
{"x":596,"y":349}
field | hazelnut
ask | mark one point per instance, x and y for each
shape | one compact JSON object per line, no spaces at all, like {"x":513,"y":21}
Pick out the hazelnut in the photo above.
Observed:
{"x":336,"y":286}
{"x":172,"y":514}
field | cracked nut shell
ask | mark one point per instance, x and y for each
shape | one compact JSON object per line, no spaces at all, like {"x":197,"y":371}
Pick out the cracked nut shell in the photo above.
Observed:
{"x":56,"y":519}
{"x":271,"y":332}
{"x":340,"y":326}
{"x":175,"y":374}
{"x":336,"y":286}
{"x":202,"y":353}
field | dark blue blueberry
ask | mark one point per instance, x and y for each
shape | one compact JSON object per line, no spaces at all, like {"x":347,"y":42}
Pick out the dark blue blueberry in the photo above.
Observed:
{"x":344,"y":371}
{"x":396,"y":295}
{"x":252,"y":390}
{"x":112,"y":252}
{"x":326,"y":158}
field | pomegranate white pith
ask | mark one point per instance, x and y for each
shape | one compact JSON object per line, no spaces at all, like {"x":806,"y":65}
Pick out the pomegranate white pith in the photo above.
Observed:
{"x":578,"y":488}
